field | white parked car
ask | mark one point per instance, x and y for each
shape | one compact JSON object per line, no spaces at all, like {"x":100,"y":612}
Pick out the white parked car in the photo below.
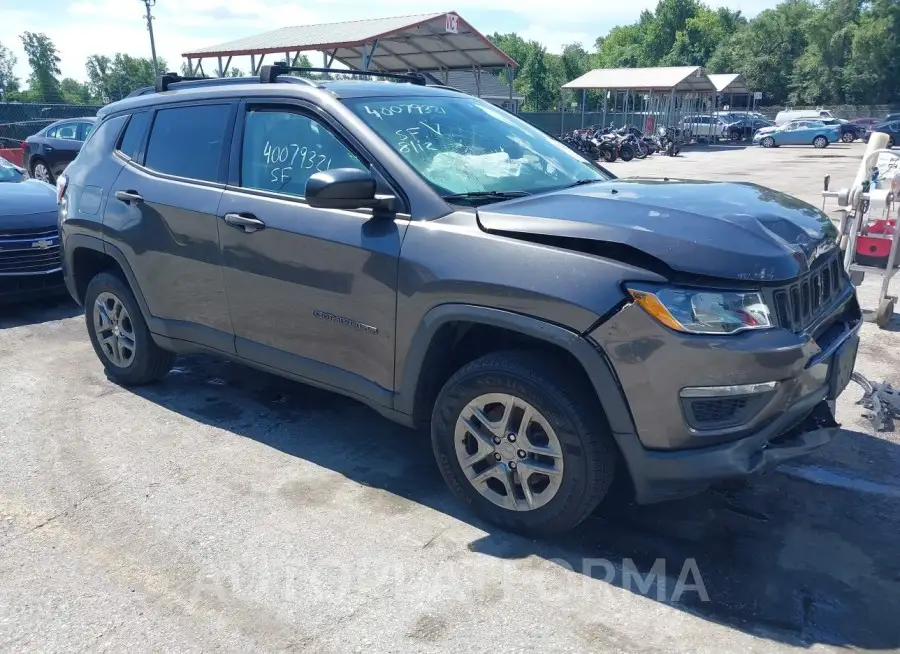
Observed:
{"x":803,"y":114}
{"x":706,"y":126}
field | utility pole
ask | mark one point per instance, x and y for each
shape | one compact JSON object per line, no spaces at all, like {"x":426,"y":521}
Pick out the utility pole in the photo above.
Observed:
{"x":148,"y":4}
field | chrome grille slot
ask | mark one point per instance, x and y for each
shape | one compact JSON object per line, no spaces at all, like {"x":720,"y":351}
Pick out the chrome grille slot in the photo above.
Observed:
{"x":29,"y":251}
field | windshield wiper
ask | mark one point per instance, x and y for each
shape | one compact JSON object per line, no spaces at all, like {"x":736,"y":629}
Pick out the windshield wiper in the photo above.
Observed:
{"x":487,"y":196}
{"x":582,"y":182}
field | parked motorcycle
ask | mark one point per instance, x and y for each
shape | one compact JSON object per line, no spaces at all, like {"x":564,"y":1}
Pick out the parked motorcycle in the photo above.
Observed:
{"x":668,"y":140}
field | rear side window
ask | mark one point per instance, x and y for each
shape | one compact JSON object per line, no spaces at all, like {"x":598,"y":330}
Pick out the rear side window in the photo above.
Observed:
{"x":187,"y":141}
{"x":134,"y":134}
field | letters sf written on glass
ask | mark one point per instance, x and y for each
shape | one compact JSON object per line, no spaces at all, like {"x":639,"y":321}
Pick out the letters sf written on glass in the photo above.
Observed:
{"x":284,"y":159}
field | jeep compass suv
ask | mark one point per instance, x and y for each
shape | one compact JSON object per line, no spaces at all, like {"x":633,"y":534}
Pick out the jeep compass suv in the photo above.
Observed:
{"x":449,"y":265}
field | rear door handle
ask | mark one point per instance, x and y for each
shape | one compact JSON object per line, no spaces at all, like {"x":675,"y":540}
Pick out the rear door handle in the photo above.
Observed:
{"x":129,"y":197}
{"x":245,"y":222}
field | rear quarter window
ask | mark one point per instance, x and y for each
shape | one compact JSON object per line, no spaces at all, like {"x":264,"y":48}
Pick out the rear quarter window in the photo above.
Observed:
{"x":187,"y":141}
{"x":133,"y":137}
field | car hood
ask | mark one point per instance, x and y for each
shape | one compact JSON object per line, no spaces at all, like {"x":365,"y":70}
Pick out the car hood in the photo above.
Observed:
{"x":734,"y":231}
{"x":30,"y":203}
{"x":768,"y":129}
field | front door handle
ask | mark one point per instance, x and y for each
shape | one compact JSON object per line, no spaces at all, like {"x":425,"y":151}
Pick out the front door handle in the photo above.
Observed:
{"x":245,"y":222}
{"x":129,"y":197}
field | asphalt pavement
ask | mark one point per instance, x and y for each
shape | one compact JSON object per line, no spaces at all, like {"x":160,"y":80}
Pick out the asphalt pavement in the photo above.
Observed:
{"x":224,"y":509}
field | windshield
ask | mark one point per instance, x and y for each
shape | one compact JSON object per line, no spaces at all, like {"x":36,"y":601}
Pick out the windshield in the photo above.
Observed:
{"x":462,"y":145}
{"x":8,"y":172}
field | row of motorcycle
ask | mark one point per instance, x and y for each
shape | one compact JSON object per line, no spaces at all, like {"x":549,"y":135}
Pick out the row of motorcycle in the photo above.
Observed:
{"x":625,"y":143}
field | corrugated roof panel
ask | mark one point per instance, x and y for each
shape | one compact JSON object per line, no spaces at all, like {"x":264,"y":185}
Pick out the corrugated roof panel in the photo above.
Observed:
{"x":403,"y":42}
{"x":464,"y":80}
{"x":729,"y":83}
{"x":301,"y":36}
{"x":679,"y":78}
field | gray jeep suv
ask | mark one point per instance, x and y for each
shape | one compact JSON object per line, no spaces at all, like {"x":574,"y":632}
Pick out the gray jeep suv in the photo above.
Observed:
{"x":451,"y":266}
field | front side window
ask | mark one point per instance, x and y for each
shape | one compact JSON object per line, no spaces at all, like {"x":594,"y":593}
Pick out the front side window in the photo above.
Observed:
{"x":463,"y":145}
{"x":283,"y":148}
{"x":187,"y":141}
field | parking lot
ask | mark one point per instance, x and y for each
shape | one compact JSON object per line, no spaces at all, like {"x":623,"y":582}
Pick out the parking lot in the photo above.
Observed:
{"x":224,"y":509}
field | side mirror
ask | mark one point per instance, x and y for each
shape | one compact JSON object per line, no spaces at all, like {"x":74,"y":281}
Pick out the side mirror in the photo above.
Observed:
{"x":345,"y":188}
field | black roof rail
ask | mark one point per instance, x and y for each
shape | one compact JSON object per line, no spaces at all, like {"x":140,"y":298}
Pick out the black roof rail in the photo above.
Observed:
{"x":165,"y":79}
{"x":270,"y":73}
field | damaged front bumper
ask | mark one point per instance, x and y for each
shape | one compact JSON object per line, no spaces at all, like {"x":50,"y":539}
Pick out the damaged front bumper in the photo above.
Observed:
{"x":709,"y":408}
{"x":669,"y":475}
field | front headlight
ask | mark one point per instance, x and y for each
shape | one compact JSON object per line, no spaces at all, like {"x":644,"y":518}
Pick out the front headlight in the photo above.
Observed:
{"x":696,"y":311}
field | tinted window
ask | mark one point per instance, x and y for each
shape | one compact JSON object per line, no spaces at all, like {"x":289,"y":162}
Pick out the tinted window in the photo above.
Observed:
{"x":86,"y":129}
{"x":134,"y":134}
{"x":282,"y":149}
{"x":187,"y":141}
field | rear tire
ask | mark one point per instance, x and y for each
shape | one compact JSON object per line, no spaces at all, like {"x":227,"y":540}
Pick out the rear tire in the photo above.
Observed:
{"x":820,"y":142}
{"x":584,"y":457}
{"x":626,"y":152}
{"x":40,"y":169}
{"x":120,"y":335}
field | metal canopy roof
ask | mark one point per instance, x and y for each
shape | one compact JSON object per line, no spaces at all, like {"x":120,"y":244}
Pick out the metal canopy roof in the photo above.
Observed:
{"x":729,"y":83}
{"x":677,"y":78}
{"x":488,"y":86}
{"x":442,"y":41}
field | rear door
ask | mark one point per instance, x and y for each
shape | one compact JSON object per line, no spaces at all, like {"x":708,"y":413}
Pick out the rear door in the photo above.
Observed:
{"x":62,"y":145}
{"x":312,"y":291}
{"x":162,"y":214}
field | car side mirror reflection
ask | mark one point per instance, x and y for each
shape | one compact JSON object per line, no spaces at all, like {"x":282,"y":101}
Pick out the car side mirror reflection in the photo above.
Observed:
{"x":346,"y":188}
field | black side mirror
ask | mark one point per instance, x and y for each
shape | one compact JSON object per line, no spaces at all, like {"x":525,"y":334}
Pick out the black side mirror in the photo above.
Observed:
{"x":345,"y":188}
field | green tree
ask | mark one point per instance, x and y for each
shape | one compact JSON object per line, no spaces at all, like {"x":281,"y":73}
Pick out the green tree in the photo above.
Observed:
{"x":8,"y":81}
{"x":43,"y":58}
{"x":75,"y":92}
{"x":111,"y":79}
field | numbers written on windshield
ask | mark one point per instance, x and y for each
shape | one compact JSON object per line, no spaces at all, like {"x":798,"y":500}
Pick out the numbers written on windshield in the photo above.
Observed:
{"x":404,"y":110}
{"x":285,"y":158}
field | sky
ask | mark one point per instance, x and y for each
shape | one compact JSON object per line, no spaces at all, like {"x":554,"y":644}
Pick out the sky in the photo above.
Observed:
{"x":80,"y":28}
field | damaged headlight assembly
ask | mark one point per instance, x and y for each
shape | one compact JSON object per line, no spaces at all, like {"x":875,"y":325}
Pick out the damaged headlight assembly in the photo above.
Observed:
{"x":703,"y":311}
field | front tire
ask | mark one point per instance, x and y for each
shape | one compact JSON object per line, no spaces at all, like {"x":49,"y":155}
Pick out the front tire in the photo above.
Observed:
{"x":626,"y":152}
{"x":513,"y":412}
{"x":768,"y":142}
{"x":120,"y":335}
{"x":820,"y":142}
{"x":847,"y":137}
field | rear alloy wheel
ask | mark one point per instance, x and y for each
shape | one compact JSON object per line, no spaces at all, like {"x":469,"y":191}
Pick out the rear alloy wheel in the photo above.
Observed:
{"x":523,"y":444}
{"x":820,"y":142}
{"x":41,"y":171}
{"x":847,"y":137}
{"x":768,"y":142}
{"x":120,"y":335}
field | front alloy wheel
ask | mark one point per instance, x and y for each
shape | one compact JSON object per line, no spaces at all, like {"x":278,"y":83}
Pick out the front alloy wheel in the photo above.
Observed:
{"x":509,"y":452}
{"x":521,"y":439}
{"x":768,"y":142}
{"x":847,"y":137}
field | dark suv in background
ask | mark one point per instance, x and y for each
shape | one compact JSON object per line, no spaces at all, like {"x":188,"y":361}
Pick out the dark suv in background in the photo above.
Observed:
{"x":451,"y":266}
{"x":47,"y":153}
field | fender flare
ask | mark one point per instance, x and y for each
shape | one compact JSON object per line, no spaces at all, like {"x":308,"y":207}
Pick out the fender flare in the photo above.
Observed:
{"x":591,"y":357}
{"x":74,"y":242}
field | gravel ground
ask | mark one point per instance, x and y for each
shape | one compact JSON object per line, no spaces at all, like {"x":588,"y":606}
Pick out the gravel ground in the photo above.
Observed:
{"x":227,"y":510}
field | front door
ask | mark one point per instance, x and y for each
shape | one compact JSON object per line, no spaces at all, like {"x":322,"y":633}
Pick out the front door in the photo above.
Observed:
{"x":312,"y":292}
